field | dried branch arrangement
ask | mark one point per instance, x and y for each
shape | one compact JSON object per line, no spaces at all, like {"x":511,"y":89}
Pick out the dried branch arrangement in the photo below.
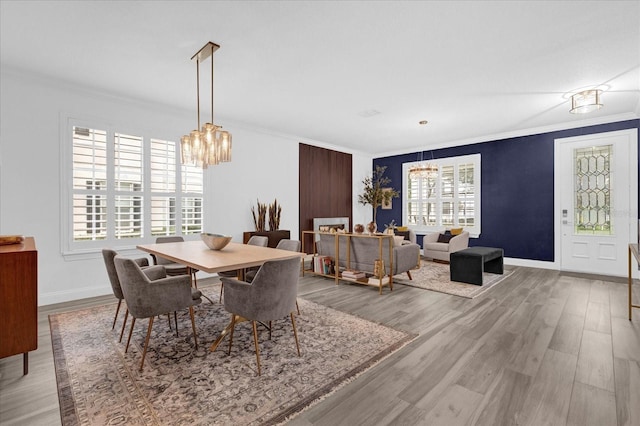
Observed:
{"x":274,"y":215}
{"x":259,"y":220}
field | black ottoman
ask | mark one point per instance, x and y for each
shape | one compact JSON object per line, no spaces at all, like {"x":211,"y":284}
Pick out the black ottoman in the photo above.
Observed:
{"x":468,"y":265}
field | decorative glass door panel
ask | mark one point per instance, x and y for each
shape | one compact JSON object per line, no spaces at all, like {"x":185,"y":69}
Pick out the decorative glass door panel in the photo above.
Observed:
{"x":592,"y":188}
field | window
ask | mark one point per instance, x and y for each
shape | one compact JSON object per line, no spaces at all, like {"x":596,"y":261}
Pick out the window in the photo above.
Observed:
{"x":448,"y":198}
{"x":126,"y":189}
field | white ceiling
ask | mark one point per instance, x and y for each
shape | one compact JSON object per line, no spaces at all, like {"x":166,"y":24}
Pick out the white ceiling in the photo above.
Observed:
{"x":473,"y":69}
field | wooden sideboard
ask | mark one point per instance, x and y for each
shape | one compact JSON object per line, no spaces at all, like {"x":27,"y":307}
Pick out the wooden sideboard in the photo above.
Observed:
{"x":273,"y":236}
{"x":19,"y":300}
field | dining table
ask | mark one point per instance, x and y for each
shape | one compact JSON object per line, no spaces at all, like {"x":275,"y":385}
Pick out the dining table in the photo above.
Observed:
{"x":234,"y":256}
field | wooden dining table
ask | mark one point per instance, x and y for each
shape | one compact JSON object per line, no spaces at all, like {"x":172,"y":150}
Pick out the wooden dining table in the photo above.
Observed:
{"x":235,"y":256}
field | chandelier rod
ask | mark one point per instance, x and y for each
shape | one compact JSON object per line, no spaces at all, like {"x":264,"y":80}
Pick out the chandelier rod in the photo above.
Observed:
{"x":198,"y":88}
{"x":212,"y":88}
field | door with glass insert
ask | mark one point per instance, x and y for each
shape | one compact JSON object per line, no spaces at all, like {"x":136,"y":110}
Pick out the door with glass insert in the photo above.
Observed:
{"x":595,"y":194}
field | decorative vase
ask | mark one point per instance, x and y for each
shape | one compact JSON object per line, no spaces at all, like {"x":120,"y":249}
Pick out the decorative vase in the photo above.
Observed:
{"x":358,"y":228}
{"x":372,"y":227}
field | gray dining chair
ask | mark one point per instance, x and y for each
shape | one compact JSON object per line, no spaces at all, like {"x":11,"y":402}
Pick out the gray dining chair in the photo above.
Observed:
{"x":270,"y":296}
{"x":255,"y":240}
{"x":154,"y":293}
{"x":173,"y":268}
{"x":108,"y":255}
{"x":284,"y":244}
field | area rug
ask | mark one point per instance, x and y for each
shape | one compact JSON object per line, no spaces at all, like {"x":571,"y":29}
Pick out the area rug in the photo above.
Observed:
{"x":434,"y":276}
{"x":98,"y":383}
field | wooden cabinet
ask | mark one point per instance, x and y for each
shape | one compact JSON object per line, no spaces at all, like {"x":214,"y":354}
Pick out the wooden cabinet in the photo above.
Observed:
{"x":19,"y":300}
{"x":273,"y":236}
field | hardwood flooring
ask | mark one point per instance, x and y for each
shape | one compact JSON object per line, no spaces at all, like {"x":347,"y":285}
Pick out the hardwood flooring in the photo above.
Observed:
{"x":541,"y":347}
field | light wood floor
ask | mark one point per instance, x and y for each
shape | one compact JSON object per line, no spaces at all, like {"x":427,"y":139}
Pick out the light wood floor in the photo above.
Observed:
{"x":540,"y":348}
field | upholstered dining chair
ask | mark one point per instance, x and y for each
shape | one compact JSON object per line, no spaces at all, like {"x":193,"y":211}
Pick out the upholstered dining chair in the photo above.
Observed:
{"x":108,"y":255}
{"x":284,"y":244}
{"x":148,"y":295}
{"x":270,"y":296}
{"x":255,"y":240}
{"x":173,"y":268}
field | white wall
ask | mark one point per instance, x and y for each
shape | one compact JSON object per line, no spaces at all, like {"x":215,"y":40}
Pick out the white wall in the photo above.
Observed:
{"x":264,"y":167}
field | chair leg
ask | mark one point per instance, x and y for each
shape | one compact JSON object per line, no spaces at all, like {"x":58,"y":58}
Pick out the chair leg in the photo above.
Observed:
{"x":133,"y":322}
{"x":295,"y":332}
{"x":233,"y":326}
{"x":221,"y":287}
{"x":255,"y":341}
{"x":169,"y":319}
{"x":193,"y":326}
{"x":116,"y":316}
{"x":297,"y":307}
{"x":409,"y":274}
{"x":124,"y":323}
{"x":146,"y":342}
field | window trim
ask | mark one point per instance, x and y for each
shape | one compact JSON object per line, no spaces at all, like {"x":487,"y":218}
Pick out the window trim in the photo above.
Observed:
{"x":72,"y":250}
{"x":475,"y":159}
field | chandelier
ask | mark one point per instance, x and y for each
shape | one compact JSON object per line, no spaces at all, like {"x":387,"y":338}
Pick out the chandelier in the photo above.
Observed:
{"x":423,"y":170}
{"x":209,"y":145}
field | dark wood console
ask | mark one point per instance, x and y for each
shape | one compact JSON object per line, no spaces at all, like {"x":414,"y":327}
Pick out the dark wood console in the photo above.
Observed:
{"x":19,"y":300}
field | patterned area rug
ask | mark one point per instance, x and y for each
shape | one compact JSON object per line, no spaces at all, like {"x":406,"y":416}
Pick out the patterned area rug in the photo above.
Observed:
{"x":99,"y":384}
{"x":435,"y":276}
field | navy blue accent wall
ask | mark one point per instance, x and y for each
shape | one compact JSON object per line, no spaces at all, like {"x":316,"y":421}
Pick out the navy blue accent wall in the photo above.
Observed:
{"x":517,"y":189}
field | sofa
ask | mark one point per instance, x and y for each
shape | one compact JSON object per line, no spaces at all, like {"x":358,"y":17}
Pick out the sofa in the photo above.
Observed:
{"x":433,"y":249}
{"x":405,"y":256}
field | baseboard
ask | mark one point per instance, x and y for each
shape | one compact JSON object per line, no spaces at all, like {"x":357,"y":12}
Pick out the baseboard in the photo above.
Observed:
{"x":528,"y":263}
{"x":54,"y":297}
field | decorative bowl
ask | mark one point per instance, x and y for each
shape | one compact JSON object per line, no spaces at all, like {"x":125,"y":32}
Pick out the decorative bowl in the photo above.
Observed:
{"x":215,"y":241}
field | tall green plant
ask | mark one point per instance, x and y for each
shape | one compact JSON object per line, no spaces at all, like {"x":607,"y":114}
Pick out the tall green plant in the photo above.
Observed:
{"x":375,"y":192}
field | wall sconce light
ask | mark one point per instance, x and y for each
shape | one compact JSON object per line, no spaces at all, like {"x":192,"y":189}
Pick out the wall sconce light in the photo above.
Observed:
{"x":586,"y":101}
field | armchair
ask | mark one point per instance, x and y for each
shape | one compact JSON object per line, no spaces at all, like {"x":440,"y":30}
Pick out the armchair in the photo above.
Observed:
{"x":441,"y":250}
{"x":108,"y":255}
{"x":255,"y":240}
{"x":148,"y":297}
{"x":270,"y":296}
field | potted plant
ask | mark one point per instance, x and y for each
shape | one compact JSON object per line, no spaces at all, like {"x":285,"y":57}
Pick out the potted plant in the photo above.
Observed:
{"x":377,"y":192}
{"x":274,"y":234}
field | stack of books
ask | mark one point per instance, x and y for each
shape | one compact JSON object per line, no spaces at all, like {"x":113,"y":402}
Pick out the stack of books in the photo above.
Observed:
{"x":351,"y":274}
{"x":323,"y":265}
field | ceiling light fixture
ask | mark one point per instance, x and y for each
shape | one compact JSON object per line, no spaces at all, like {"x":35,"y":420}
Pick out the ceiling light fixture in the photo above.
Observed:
{"x":423,"y":170}
{"x":586,"y":101}
{"x":210,"y":144}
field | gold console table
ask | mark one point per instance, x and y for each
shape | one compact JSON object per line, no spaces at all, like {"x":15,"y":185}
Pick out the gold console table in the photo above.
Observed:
{"x":633,"y":252}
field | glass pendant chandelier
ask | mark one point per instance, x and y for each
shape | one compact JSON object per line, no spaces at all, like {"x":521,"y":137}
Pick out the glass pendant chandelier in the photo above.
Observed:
{"x":209,"y":145}
{"x":423,"y":170}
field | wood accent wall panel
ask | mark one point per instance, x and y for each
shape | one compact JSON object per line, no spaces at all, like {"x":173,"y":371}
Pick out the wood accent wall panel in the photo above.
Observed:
{"x":325,"y":185}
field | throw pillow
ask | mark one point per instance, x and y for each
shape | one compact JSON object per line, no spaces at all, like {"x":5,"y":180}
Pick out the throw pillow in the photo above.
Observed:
{"x":443,"y":238}
{"x":397,"y":240}
{"x":456,"y":231}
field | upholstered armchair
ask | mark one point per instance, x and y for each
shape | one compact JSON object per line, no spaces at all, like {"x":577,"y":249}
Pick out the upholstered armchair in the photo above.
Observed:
{"x":255,"y":240}
{"x":284,"y":244}
{"x":108,"y":255}
{"x":154,"y":293}
{"x":440,"y":250}
{"x":173,"y":268}
{"x":270,"y":296}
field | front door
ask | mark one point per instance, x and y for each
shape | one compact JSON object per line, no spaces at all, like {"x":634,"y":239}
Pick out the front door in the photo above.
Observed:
{"x":596,"y":201}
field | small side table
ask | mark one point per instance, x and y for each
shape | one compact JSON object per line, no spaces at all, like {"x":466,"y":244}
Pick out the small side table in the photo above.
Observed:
{"x":633,"y":252}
